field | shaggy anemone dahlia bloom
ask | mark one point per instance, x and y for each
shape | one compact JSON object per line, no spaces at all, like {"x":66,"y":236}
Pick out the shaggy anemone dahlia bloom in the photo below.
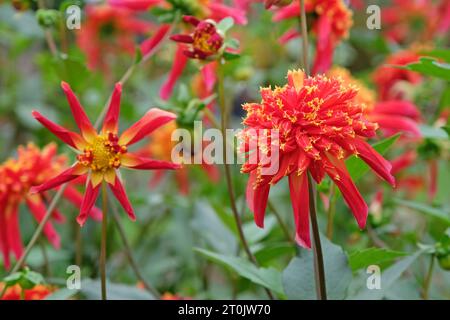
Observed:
{"x":331,"y":23}
{"x":392,"y":116}
{"x":320,"y":124}
{"x":17,"y":176}
{"x":101,"y":154}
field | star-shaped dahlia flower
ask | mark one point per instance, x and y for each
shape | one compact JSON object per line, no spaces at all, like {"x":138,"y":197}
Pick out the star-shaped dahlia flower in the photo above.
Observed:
{"x":205,"y":41}
{"x":320,"y":124}
{"x":101,"y":154}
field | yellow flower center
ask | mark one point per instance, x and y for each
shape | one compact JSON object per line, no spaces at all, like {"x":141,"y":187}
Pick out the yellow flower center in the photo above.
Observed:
{"x":103,"y":153}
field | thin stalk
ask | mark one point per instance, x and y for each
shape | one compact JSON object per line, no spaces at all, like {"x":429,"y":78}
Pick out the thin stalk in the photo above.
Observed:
{"x":37,"y":233}
{"x":426,"y":284}
{"x":78,"y":245}
{"x":48,"y":33}
{"x":331,"y":211}
{"x":2,"y":293}
{"x":280,"y":222}
{"x":304,"y":31}
{"x":47,"y":270}
{"x":237,"y":218}
{"x":319,"y":269}
{"x":104,"y":240}
{"x":129,"y":254}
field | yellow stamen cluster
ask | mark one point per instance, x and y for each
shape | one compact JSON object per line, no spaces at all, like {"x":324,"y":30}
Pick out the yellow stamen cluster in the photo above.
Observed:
{"x":103,"y":154}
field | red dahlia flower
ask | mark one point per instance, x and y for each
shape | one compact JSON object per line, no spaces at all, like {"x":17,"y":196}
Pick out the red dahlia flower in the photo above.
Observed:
{"x":102,"y":153}
{"x":107,"y":31}
{"x":31,"y":168}
{"x":39,"y":292}
{"x":331,"y":23}
{"x":389,"y":79}
{"x":205,"y":41}
{"x":320,"y":124}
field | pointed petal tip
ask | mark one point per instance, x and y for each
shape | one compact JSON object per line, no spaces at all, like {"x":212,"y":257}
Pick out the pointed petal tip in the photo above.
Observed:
{"x":81,"y":219}
{"x":34,"y":190}
{"x":304,"y":243}
{"x":65,"y":86}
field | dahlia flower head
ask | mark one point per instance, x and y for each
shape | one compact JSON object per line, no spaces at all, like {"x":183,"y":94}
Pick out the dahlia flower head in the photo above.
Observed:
{"x":320,"y":124}
{"x":100,"y":154}
{"x":205,"y":41}
{"x":31,"y":167}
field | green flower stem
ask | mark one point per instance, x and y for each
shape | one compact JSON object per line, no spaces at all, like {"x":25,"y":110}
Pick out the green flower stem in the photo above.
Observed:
{"x":104,"y":240}
{"x":331,"y":211}
{"x":319,"y":269}
{"x":237,"y":218}
{"x":427,"y":282}
{"x":129,"y":253}
{"x":304,"y":31}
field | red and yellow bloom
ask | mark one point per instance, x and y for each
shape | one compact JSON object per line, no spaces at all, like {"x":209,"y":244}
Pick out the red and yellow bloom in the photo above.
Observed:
{"x":18,"y":175}
{"x":39,"y":292}
{"x":101,"y":154}
{"x":320,"y":124}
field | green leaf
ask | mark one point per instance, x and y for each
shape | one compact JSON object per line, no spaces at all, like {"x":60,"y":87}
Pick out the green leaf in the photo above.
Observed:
{"x":440,"y":213}
{"x":62,"y":294}
{"x":433,"y":132}
{"x":225,"y":24}
{"x":430,"y":67}
{"x":298,"y":277}
{"x":357,"y":167}
{"x":91,"y":290}
{"x":232,"y":43}
{"x":388,"y":278}
{"x":230,"y":56}
{"x":366,"y":257}
{"x":440,"y":53}
{"x":267,"y":277}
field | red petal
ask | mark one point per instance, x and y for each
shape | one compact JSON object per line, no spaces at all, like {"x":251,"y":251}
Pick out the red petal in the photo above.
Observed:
{"x":90,"y":196}
{"x":257,"y":199}
{"x":121,"y":195}
{"x":149,"y":46}
{"x":111,"y":122}
{"x":397,"y":107}
{"x":76,"y":199}
{"x":183,"y":38}
{"x":394,"y":124}
{"x":80,"y":116}
{"x":351,"y":195}
{"x":13,"y":231}
{"x":38,"y":209}
{"x":152,"y":120}
{"x":4,"y":244}
{"x":71,"y":138}
{"x":133,"y":161}
{"x":67,"y":175}
{"x":380,"y":165}
{"x":298,"y":186}
{"x":179,"y":63}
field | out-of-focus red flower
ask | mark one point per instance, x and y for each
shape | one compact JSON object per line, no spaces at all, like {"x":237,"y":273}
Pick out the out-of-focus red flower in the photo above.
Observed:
{"x":415,"y":20}
{"x":331,"y":23}
{"x":39,"y":292}
{"x":392,"y":116}
{"x":388,"y":78}
{"x":278,"y":3}
{"x":32,"y":167}
{"x":103,"y":153}
{"x":171,"y":296}
{"x":160,"y":147}
{"x":320,"y":124}
{"x":108,"y":31}
{"x":138,"y":5}
{"x":205,"y":40}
